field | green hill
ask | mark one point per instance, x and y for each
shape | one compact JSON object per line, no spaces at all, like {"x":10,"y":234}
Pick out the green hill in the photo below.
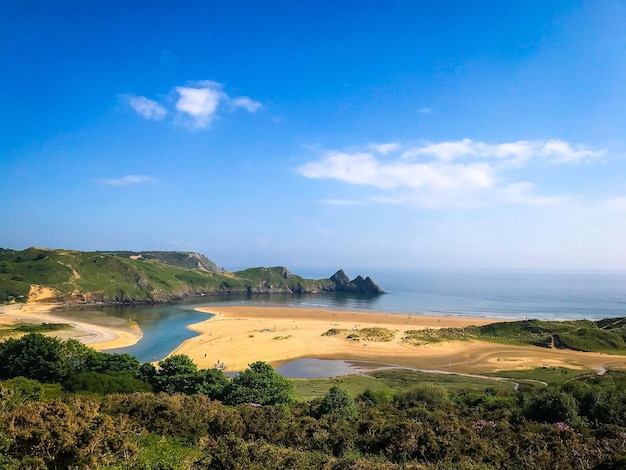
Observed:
{"x":607,"y":336}
{"x":128,"y":277}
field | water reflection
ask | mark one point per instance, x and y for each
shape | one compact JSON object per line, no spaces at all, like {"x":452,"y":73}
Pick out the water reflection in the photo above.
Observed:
{"x":164,"y":327}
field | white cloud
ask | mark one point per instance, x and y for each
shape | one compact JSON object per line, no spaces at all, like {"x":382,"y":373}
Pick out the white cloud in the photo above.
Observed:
{"x":146,"y":108}
{"x":515,"y":153}
{"x":425,"y":110}
{"x":365,"y":169}
{"x":454,"y":173}
{"x":196,"y":104}
{"x":385,"y":148}
{"x":246,"y":103}
{"x":522,"y":193}
{"x":200,"y":102}
{"x":129,"y":180}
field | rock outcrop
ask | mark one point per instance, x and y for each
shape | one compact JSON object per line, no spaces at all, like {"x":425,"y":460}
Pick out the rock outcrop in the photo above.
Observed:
{"x":342,"y":283}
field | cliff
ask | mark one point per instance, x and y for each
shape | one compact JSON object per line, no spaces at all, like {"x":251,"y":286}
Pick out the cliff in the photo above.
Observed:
{"x":146,"y":277}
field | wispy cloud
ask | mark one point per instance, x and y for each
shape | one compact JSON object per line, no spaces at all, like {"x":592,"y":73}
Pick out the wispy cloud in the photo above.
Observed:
{"x":339,"y":202}
{"x":146,"y":108}
{"x":384,"y":148}
{"x":196,"y":104}
{"x":555,"y":151}
{"x":443,"y":174}
{"x":246,"y":103}
{"x":425,"y":110}
{"x":129,"y":180}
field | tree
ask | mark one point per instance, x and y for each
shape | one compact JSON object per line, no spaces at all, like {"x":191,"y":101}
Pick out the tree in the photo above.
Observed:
{"x":259,"y":384}
{"x":77,"y":356}
{"x":177,"y":374}
{"x":33,"y":356}
{"x":213,"y":383}
{"x":552,"y":405}
{"x":147,"y":372}
{"x":338,"y":401}
{"x":105,"y":363}
{"x":121,"y":382}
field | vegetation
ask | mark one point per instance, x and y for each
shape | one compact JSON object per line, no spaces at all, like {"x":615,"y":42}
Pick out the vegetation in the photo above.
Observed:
{"x":257,"y":424}
{"x":391,"y":381}
{"x":124,"y":276}
{"x":549,"y":375}
{"x":607,"y":336}
{"x":260,"y":385}
{"x":34,"y":328}
{"x":372,"y":334}
{"x":338,"y":401}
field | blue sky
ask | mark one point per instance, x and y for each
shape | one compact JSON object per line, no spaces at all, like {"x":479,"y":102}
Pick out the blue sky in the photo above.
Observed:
{"x":447,"y":134}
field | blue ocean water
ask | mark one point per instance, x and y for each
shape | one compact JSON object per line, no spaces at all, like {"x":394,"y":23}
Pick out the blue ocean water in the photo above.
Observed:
{"x":551,"y":295}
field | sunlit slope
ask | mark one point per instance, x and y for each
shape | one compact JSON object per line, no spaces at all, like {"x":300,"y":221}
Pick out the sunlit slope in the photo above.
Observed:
{"x":125,"y":276}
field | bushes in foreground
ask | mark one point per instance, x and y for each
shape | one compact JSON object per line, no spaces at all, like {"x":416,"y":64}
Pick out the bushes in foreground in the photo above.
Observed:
{"x":419,"y":429}
{"x":256,"y":423}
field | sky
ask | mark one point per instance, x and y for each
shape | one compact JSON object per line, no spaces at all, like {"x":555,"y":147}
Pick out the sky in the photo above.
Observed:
{"x":388,"y":134}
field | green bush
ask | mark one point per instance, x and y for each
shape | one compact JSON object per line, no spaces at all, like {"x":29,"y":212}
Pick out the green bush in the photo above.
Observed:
{"x":338,"y":401}
{"x":432,"y":395}
{"x":259,"y":384}
{"x":94,"y":382}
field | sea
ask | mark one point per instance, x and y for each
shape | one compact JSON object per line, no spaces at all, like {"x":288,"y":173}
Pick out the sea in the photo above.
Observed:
{"x":497,"y":294}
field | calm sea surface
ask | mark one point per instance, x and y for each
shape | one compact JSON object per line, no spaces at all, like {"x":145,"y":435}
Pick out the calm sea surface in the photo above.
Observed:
{"x":552,"y":295}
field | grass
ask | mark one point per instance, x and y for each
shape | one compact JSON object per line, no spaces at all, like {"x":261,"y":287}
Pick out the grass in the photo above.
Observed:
{"x":394,"y":380}
{"x":126,"y":277}
{"x":34,"y":328}
{"x":428,"y":336}
{"x":550,"y":375}
{"x":607,"y":336}
{"x":374,"y":334}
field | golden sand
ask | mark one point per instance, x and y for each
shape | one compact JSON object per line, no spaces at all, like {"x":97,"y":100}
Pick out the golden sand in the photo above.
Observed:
{"x":97,"y":336}
{"x":238,"y":336}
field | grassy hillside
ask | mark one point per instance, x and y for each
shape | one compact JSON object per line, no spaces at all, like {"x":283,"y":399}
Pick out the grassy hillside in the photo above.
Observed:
{"x":608,"y":336}
{"x":126,"y":276}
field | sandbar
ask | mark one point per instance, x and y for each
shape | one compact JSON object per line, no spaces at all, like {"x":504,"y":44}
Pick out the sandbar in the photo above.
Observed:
{"x":237,"y":336}
{"x":97,"y":336}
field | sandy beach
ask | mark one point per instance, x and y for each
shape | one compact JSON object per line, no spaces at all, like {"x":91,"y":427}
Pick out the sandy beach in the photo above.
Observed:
{"x":237,"y":336}
{"x":97,"y":336}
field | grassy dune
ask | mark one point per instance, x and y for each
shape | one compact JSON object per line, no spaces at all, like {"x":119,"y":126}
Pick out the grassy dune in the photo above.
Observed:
{"x":606,"y":336}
